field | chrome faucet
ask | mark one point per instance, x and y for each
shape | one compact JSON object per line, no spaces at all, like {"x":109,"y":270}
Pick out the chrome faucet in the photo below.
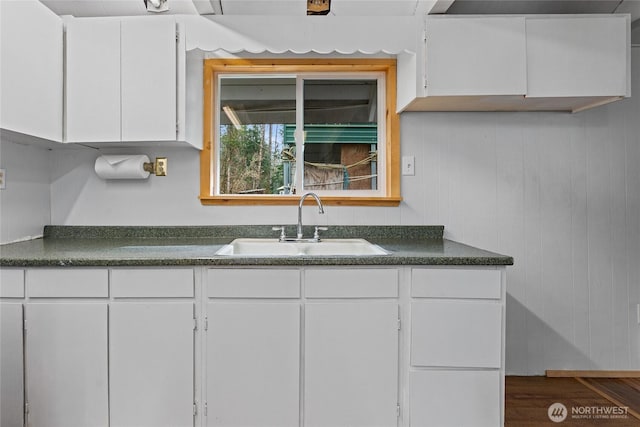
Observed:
{"x":320,"y":210}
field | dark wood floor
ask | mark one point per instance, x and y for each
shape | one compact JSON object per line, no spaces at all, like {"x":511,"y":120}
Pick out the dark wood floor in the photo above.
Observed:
{"x":528,"y":400}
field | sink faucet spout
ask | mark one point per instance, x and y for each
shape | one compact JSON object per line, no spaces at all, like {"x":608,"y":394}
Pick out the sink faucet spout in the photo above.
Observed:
{"x":320,"y":210}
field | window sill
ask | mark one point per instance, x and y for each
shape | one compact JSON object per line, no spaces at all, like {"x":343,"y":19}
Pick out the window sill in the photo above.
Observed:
{"x":278,"y":200}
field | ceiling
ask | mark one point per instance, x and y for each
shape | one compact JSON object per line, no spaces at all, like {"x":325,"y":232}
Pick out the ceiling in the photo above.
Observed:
{"x":84,"y":8}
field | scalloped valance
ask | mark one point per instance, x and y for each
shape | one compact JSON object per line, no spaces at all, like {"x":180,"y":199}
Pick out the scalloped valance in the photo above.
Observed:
{"x":303,"y":35}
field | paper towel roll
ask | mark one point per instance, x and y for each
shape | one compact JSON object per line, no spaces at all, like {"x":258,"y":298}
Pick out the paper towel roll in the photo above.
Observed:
{"x":122,"y":167}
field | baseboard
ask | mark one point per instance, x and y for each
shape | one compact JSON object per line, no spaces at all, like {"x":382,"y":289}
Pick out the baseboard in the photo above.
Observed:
{"x":591,"y":374}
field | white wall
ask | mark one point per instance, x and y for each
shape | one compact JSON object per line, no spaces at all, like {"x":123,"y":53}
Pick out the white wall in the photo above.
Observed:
{"x":561,"y":194}
{"x":25,"y":206}
{"x":79,"y":197}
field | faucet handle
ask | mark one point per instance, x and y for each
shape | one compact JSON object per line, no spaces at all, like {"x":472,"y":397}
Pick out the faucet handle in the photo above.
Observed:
{"x":283,"y":236}
{"x":316,"y":234}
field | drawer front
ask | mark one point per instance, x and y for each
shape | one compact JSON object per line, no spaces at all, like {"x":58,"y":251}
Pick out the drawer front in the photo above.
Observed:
{"x":449,"y":283}
{"x":67,"y":283}
{"x":448,"y":398}
{"x":456,"y":333}
{"x":11,"y":283}
{"x":351,"y":283}
{"x":253,"y":283}
{"x":158,"y":283}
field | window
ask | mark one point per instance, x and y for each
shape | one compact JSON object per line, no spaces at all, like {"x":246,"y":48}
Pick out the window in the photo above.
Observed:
{"x":275,"y":129}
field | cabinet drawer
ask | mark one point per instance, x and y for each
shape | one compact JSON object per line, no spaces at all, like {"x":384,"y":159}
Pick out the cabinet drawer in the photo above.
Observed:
{"x":159,"y":283}
{"x":67,"y":283}
{"x":448,"y":398}
{"x":11,"y":283}
{"x":456,"y":333}
{"x":351,"y":283}
{"x":253,"y":283}
{"x":448,"y":283}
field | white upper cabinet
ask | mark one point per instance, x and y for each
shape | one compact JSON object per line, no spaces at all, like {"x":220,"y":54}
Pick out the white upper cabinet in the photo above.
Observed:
{"x":585,"y":56}
{"x":517,"y":63}
{"x":489,"y":58}
{"x":121,"y":79}
{"x":148,"y":86}
{"x":93,"y":80}
{"x":31,"y":69}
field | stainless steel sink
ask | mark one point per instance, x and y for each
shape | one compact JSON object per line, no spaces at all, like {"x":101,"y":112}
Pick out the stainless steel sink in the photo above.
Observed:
{"x":325,"y":247}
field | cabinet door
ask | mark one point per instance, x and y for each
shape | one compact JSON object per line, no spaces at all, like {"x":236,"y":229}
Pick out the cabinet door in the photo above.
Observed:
{"x":476,"y":56}
{"x":151,"y":353}
{"x":66,"y":364}
{"x":11,"y":365}
{"x":93,"y":80}
{"x":253,"y":364}
{"x":455,"y":398}
{"x":149,"y":79}
{"x":351,"y":364}
{"x":577,"y":56}
{"x":31,"y":67}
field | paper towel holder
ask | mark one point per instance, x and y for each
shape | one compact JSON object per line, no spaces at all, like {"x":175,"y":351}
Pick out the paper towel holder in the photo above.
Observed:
{"x":158,"y":168}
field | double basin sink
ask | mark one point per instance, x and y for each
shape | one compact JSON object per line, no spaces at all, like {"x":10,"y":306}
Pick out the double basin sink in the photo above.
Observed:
{"x":277,"y":248}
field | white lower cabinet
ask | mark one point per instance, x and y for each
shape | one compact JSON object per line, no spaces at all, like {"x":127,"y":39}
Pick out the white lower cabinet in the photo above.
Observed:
{"x":66,"y":359}
{"x":351,"y":364}
{"x":11,"y":365}
{"x":453,"y":333}
{"x":351,"y":345}
{"x":11,"y":347}
{"x":253,"y":347}
{"x":108,"y":347}
{"x":336,"y":367}
{"x":66,"y":364}
{"x":151,"y":347}
{"x":253,"y":369}
{"x":248,"y":346}
{"x":151,"y":373}
{"x":455,"y":398}
{"x":456,"y":367}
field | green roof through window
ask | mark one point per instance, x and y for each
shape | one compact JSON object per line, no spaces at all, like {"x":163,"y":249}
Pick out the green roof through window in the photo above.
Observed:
{"x":347,"y":133}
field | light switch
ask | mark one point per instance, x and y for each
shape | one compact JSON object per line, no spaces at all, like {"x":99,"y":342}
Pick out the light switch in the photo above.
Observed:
{"x":408,"y":165}
{"x":3,"y":179}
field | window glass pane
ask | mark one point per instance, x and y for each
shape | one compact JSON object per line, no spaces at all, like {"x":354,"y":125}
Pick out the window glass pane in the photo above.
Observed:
{"x":341,"y":134}
{"x":252,"y":156}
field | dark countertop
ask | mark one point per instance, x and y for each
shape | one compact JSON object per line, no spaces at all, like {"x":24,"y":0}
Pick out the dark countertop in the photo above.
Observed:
{"x":190,"y":246}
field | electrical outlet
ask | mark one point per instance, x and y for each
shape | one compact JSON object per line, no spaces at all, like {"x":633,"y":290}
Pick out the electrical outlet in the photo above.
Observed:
{"x":408,"y":165}
{"x":3,"y":179}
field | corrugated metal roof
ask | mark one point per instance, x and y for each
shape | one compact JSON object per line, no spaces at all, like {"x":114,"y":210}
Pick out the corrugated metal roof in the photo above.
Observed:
{"x":344,"y":133}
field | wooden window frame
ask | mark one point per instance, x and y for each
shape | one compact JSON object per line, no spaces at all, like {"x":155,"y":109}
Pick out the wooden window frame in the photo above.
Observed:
{"x":213,"y":67}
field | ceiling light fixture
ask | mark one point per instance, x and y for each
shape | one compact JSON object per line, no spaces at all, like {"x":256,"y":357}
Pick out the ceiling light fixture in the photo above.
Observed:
{"x":156,"y":5}
{"x":318,"y":7}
